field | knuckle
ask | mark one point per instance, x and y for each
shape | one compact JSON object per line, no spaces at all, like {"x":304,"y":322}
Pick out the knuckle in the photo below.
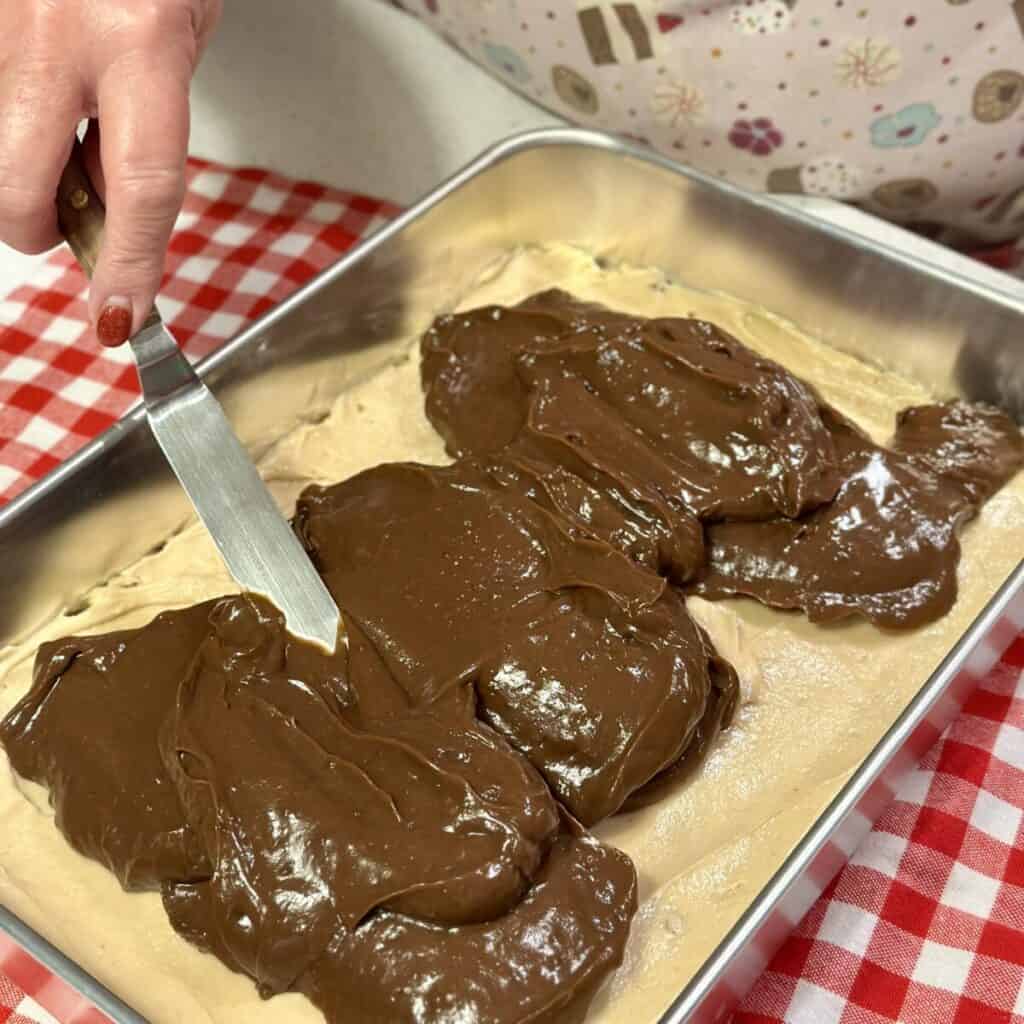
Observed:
{"x":137,"y":237}
{"x":134,"y":265}
{"x":150,"y":188}
{"x":34,"y":244}
{"x":42,"y":19}
{"x":162,"y":22}
{"x":26,"y":226}
{"x":20,"y":206}
{"x":30,"y":244}
{"x":37,"y":82}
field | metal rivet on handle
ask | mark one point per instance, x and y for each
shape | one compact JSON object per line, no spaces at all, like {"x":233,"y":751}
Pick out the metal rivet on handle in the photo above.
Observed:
{"x":79,"y":199}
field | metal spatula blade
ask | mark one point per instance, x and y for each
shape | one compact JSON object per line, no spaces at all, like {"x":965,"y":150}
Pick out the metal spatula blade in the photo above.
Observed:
{"x":258,"y":546}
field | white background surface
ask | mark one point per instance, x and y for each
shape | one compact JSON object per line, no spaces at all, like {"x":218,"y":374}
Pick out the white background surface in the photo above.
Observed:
{"x":352,"y":93}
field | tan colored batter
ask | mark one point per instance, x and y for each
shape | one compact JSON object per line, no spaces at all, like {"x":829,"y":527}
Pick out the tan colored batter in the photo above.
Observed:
{"x":815,"y":699}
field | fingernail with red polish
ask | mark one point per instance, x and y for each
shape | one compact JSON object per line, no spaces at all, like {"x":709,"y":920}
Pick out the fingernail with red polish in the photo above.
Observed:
{"x":115,"y":321}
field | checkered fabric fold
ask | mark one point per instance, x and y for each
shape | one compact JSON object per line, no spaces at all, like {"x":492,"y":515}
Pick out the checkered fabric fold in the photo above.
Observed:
{"x":926,"y":923}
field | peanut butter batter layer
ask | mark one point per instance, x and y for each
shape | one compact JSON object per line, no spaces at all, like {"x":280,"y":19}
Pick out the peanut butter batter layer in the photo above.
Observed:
{"x":705,"y":849}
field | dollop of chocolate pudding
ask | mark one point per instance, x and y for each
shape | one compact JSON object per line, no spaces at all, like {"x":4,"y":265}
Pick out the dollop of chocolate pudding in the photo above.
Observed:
{"x":753,"y":485}
{"x":395,"y":829}
{"x":887,"y":547}
{"x":715,"y":429}
{"x":315,"y":828}
{"x":87,"y":729}
{"x":587,"y":663}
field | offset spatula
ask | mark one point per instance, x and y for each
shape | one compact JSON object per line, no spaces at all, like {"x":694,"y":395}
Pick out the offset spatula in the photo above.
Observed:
{"x":258,"y":547}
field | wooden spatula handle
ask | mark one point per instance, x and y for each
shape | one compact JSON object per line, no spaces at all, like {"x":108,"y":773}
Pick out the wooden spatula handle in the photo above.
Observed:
{"x":80,"y":211}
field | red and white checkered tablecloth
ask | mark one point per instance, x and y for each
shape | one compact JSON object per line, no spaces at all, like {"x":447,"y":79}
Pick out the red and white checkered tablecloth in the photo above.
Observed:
{"x":244,"y":240}
{"x":30,"y":994}
{"x":926,"y":923}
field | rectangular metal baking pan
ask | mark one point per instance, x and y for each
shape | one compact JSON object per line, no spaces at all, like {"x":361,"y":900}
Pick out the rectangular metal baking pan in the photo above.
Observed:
{"x":898,"y":301}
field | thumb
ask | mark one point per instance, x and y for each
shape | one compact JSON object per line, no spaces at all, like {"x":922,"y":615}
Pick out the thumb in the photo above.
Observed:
{"x":143,"y":114}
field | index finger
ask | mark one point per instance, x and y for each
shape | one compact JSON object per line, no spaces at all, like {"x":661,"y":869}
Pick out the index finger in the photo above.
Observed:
{"x":144,"y":123}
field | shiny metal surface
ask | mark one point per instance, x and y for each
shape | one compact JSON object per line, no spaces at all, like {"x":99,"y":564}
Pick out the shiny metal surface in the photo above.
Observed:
{"x":894,"y":300}
{"x":258,"y":546}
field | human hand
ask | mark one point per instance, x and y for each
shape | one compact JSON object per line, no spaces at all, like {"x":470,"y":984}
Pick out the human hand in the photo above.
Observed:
{"x":126,"y":65}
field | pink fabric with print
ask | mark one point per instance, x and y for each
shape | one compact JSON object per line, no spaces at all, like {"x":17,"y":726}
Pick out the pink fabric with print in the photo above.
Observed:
{"x":915,"y":110}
